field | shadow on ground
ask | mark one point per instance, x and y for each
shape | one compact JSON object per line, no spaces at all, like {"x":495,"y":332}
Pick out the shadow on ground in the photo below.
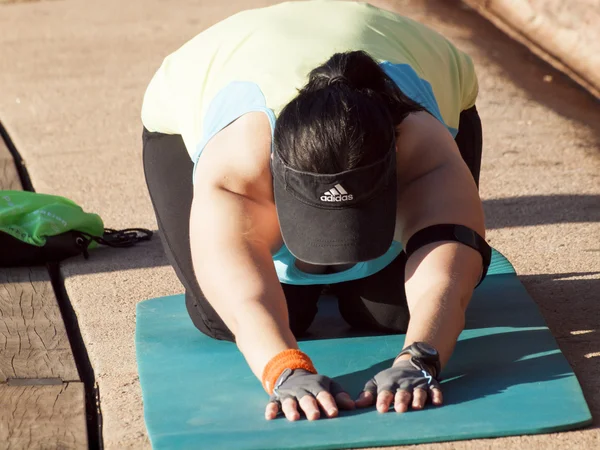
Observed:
{"x":532,"y":210}
{"x":570,"y":304}
{"x":572,"y":301}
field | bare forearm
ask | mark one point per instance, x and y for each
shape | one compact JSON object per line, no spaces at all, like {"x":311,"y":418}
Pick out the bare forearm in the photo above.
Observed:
{"x":440,"y":281}
{"x":251,"y":305}
{"x":260,"y":337}
{"x":437,"y":320}
{"x":238,"y":279}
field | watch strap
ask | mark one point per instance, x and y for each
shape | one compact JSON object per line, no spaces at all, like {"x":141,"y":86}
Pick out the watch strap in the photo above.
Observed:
{"x":430,"y":360}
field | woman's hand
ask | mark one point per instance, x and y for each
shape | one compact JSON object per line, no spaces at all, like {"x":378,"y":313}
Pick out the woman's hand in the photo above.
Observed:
{"x":300,"y":388}
{"x":406,"y":383}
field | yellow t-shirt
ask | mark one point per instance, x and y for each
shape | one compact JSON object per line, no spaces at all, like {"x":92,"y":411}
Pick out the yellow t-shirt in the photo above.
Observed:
{"x":274,"y":49}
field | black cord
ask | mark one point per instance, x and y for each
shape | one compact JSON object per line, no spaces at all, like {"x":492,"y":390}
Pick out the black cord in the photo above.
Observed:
{"x":115,"y":238}
{"x":123,"y":238}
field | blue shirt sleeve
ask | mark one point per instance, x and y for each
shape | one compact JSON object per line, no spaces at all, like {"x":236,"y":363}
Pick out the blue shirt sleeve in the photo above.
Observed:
{"x":416,"y":89}
{"x":232,"y":102}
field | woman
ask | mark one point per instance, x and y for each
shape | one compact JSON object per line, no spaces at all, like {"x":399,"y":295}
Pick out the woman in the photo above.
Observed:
{"x":308,"y":144}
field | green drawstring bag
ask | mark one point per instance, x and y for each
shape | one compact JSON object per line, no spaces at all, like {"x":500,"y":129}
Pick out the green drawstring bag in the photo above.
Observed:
{"x":36,"y":229}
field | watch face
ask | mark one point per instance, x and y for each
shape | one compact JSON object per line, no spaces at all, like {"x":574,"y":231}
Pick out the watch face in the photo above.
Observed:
{"x":427,"y":349}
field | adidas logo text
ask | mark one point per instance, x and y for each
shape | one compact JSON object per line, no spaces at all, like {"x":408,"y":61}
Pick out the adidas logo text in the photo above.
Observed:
{"x":336,"y":194}
{"x":336,"y":198}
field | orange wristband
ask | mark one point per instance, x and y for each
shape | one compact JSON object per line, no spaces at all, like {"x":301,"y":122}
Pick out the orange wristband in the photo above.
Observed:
{"x":287,"y":359}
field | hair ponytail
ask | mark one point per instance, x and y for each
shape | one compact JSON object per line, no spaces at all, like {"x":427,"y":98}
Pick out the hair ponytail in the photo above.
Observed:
{"x":344,"y":117}
{"x":359,"y":71}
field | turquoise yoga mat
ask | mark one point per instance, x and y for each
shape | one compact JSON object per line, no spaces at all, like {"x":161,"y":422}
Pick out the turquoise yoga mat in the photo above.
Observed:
{"x":506,"y":377}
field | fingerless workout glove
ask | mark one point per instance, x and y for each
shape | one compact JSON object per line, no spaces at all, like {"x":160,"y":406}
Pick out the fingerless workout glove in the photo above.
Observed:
{"x":405,"y":374}
{"x":299,"y":383}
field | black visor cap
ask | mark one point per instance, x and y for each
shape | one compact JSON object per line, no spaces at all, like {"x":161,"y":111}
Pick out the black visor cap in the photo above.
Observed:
{"x":342,"y":218}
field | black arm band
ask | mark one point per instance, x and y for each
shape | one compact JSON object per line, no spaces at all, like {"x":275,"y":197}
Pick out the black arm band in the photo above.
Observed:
{"x":451,"y":232}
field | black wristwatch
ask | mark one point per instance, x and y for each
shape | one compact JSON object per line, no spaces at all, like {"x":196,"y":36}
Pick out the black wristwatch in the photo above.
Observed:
{"x":424,"y":353}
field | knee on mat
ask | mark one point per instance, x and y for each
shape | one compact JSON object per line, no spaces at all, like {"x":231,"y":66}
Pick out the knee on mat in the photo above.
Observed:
{"x":393,"y":320}
{"x":301,"y":322}
{"x":204,"y":324}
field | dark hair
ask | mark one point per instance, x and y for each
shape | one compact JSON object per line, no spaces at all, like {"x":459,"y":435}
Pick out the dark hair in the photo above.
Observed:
{"x":345,"y":117}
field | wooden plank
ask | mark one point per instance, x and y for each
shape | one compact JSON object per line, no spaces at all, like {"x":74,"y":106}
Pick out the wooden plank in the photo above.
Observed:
{"x":9,"y":177}
{"x":43,"y":417}
{"x":33,"y":339}
{"x":37,"y":410}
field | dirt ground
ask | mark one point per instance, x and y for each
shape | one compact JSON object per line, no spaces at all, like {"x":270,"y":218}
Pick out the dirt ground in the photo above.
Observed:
{"x":72,"y":77}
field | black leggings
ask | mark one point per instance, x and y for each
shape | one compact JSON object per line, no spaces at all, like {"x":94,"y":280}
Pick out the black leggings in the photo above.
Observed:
{"x":376,"y":303}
